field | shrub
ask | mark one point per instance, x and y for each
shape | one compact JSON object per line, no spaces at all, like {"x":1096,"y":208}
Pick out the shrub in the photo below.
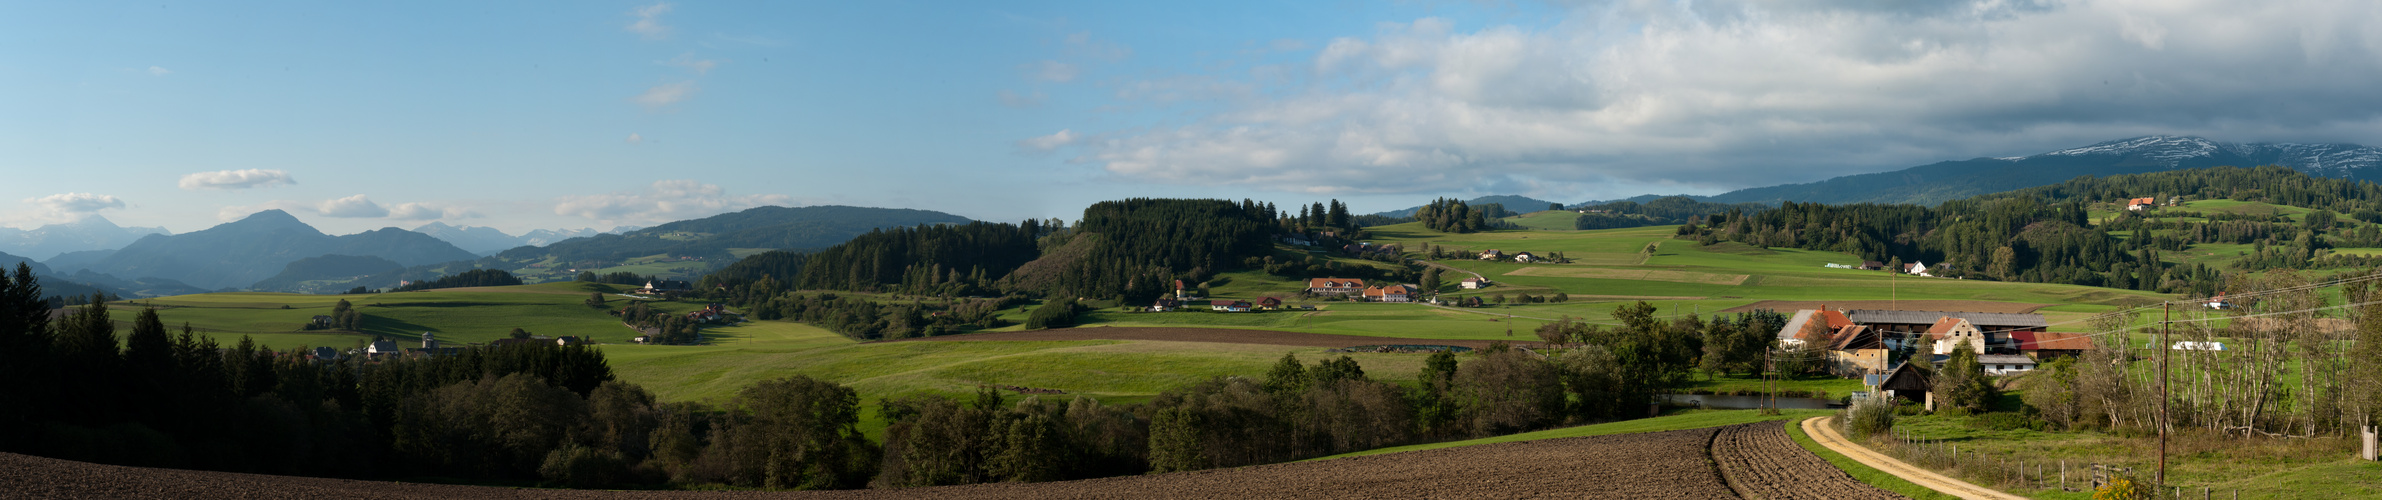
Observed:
{"x":1870,"y":417}
{"x":1054,"y":314}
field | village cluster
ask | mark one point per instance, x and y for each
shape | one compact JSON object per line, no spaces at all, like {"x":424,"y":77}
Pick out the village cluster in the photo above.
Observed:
{"x":1875,"y":344}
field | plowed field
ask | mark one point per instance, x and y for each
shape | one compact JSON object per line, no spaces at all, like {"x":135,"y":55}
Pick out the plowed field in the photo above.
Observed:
{"x":1761,"y":461}
{"x":1659,"y":465}
{"x":1790,"y":306}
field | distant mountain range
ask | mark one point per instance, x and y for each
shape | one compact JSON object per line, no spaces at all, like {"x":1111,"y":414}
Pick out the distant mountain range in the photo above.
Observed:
{"x":1950,"y":180}
{"x":485,"y":241}
{"x":91,"y":233}
{"x":238,"y":254}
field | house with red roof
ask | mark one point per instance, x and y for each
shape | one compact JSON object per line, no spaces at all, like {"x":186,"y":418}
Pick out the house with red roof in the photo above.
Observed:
{"x":1391,"y":293}
{"x":2138,"y":204}
{"x":1335,"y":286}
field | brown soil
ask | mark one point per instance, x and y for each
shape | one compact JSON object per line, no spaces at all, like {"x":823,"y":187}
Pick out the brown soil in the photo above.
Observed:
{"x":1983,"y":306}
{"x":1218,"y":335}
{"x":1659,"y":465}
{"x":1761,"y":461}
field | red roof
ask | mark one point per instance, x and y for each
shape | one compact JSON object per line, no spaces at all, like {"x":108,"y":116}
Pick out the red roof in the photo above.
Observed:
{"x":1943,"y":325}
{"x":2143,"y":201}
{"x":2037,"y":341}
{"x":1335,"y":283}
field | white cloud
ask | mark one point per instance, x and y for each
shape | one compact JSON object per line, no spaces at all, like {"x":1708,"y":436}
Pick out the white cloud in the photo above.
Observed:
{"x":159,"y":71}
{"x":75,"y":206}
{"x":666,"y":94}
{"x":1734,"y":93}
{"x":423,"y":211}
{"x":1051,"y":71}
{"x":688,"y":61}
{"x":236,"y":179}
{"x":634,"y":138}
{"x":664,"y":201}
{"x":649,"y":23}
{"x":351,"y":207}
{"x":1048,"y":143}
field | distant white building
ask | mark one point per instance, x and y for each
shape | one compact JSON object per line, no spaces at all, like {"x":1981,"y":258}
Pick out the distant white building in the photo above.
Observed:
{"x":2005,"y":364}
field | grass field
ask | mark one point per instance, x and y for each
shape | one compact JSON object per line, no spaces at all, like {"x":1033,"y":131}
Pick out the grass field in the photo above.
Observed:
{"x":1547,"y":220}
{"x":1682,"y":419}
{"x":2258,"y":468}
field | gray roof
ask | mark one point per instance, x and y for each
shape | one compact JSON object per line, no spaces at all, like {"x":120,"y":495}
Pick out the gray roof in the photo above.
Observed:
{"x":2004,"y":359}
{"x":1795,"y":325}
{"x":1982,"y":320}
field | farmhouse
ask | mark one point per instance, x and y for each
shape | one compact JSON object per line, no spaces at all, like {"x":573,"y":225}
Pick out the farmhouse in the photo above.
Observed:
{"x":2138,"y":204}
{"x":320,"y":321}
{"x":663,"y":286}
{"x":1331,"y":286}
{"x":1229,"y":305}
{"x":1871,"y":265}
{"x":380,"y":347}
{"x":326,"y":354}
{"x":1475,"y":283}
{"x":1269,"y":304}
{"x":1829,"y":319}
{"x":1492,"y":254}
{"x":1392,"y":293}
{"x":1916,"y":268}
{"x":1524,"y":257}
{"x":1165,"y":304}
{"x":1954,"y":333}
{"x":1996,"y":328}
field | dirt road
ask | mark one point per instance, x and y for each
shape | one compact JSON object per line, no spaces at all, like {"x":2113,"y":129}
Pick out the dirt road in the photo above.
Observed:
{"x":1823,"y":430}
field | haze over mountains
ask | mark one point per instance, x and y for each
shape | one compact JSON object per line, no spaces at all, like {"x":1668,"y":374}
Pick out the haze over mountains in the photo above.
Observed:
{"x":486,"y":241}
{"x":91,"y":233}
{"x":1949,"y":180}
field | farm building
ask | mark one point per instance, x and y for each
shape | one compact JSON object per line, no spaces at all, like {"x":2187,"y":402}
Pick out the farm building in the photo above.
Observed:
{"x":2139,"y":204}
{"x":1165,"y":304}
{"x":1269,"y":304}
{"x":1392,"y":293}
{"x":1996,"y":327}
{"x":1525,"y":257}
{"x":1955,"y":333}
{"x":1871,"y":265}
{"x":1830,"y":319}
{"x":1908,"y":382}
{"x":1229,"y":306}
{"x":1335,"y":286}
{"x":1475,"y":283}
{"x":2047,"y":344}
{"x":379,"y":347}
{"x":2005,"y":364}
{"x":1916,"y":268}
{"x":1492,"y":254}
{"x":1184,"y":293}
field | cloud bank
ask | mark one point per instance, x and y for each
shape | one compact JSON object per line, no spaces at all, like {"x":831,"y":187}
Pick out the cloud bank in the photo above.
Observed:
{"x":1714,"y":95}
{"x":236,"y":179}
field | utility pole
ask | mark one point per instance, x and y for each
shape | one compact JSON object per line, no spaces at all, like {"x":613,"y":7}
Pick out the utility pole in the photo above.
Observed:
{"x":2166,"y":327}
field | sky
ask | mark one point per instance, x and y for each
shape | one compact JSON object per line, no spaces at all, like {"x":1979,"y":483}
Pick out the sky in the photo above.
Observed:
{"x":527,"y":115}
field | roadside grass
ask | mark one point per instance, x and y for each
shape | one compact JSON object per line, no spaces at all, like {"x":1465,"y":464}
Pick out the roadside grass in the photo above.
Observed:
{"x":1881,"y":479}
{"x":1681,"y":419}
{"x":2257,"y":467}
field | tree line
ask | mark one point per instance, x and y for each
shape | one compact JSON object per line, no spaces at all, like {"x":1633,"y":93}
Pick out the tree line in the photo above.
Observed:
{"x":471,"y":278}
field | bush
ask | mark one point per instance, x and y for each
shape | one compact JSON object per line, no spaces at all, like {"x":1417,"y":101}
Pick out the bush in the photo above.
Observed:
{"x":2006,"y":421}
{"x":1053,"y":314}
{"x":1870,"y":417}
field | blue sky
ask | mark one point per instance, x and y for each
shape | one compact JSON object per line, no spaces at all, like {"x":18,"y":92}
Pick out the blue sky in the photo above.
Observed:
{"x":523,"y":115}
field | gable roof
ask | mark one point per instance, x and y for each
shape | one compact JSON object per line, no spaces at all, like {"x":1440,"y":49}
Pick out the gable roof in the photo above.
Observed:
{"x":2143,"y":201}
{"x":1335,"y":283}
{"x":2047,"y":341}
{"x":1944,"y":325}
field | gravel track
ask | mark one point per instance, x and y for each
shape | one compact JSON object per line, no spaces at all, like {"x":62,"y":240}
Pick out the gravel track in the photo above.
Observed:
{"x":1217,"y":335}
{"x":1761,"y":461}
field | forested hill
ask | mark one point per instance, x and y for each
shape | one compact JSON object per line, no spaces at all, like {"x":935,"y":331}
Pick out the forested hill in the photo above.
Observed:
{"x":1133,"y":250}
{"x":1667,"y":210}
{"x":2079,"y":231}
{"x":1951,"y":180}
{"x":804,"y":228}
